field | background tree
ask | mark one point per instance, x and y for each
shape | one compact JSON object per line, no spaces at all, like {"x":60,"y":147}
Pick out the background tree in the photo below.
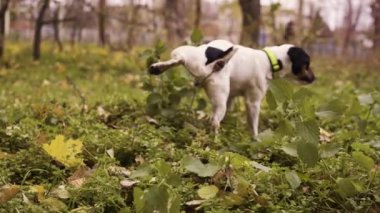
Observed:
{"x":376,"y":22}
{"x":351,"y":18}
{"x":44,"y":5}
{"x":174,"y":20}
{"x":56,"y":25}
{"x":102,"y":21}
{"x":198,"y":13}
{"x":251,"y":12}
{"x":3,"y":11}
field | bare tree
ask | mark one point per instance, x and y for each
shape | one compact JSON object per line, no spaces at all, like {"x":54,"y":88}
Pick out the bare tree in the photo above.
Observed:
{"x":300,"y":17}
{"x":251,"y":11}
{"x":198,"y":13}
{"x":175,"y":20}
{"x":376,"y":22}
{"x":56,"y":26}
{"x":102,"y":21}
{"x":352,"y":18}
{"x":44,"y":5}
{"x":3,"y":10}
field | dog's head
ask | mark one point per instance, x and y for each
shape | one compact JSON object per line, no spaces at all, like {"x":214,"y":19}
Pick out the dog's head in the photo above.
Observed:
{"x":301,"y":65}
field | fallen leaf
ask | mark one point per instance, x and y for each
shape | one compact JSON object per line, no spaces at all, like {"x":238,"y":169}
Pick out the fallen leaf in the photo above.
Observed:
{"x":118,"y":170}
{"x":195,"y":202}
{"x":39,"y":190}
{"x":128,"y":183}
{"x":80,"y":176}
{"x":61,"y":192}
{"x":324,"y":136}
{"x":208,"y":192}
{"x":260,"y":166}
{"x":8,"y":192}
{"x":111,"y":153}
{"x":139,"y":159}
{"x":65,"y":152}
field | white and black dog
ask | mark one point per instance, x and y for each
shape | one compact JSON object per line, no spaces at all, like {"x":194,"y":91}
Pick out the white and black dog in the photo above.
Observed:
{"x":226,"y":71}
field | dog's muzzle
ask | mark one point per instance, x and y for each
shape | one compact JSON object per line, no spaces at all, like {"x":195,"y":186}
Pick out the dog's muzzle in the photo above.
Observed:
{"x":154,"y":70}
{"x":307,"y":76}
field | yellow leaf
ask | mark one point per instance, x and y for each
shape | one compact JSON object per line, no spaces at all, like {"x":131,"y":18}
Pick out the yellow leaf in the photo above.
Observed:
{"x":65,"y":151}
{"x":39,"y":190}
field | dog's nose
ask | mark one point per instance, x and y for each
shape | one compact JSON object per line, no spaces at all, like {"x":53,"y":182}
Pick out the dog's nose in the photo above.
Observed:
{"x":154,"y":70}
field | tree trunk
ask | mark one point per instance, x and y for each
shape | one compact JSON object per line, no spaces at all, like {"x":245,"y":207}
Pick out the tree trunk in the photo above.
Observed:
{"x":376,"y":22}
{"x":102,"y":22}
{"x":300,"y":18}
{"x":352,"y":19}
{"x":175,"y":20}
{"x":3,"y":12}
{"x":56,"y":26}
{"x":198,"y":14}
{"x":251,"y":12}
{"x":38,"y":30}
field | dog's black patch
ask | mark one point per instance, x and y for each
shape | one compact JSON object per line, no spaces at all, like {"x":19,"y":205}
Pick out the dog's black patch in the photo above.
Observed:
{"x":280,"y":64}
{"x":213,"y":54}
{"x":299,"y":58}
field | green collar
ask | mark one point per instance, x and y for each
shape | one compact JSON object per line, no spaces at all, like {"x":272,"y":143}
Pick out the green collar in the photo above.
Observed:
{"x":273,"y":60}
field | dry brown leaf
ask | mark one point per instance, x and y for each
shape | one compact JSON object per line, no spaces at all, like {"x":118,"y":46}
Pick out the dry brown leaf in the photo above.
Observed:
{"x":139,"y":159}
{"x":8,"y":192}
{"x":128,"y":183}
{"x":324,"y":136}
{"x":78,"y":178}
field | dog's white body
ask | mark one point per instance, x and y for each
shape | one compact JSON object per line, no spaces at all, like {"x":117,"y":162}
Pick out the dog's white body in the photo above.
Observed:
{"x":245,"y":72}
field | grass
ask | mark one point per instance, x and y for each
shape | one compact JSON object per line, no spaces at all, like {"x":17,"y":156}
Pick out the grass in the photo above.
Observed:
{"x":104,"y":99}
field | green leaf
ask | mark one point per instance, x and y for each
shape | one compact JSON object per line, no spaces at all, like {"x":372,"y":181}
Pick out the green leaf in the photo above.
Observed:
{"x":366,"y":148}
{"x":159,"y":48}
{"x":193,"y":164}
{"x":54,"y":205}
{"x":142,"y":171}
{"x":285,"y":128}
{"x":330,"y":149}
{"x":202,"y":103}
{"x":376,"y":110}
{"x":290,"y":149}
{"x":347,"y":188}
{"x":293,"y":179}
{"x":308,"y":130}
{"x":302,"y":96}
{"x":271,"y":100}
{"x":365,"y":99}
{"x":236,"y":160}
{"x":281,"y":90}
{"x":308,"y":153}
{"x":163,"y":168}
{"x":156,"y":198}
{"x":196,"y":36}
{"x":363,"y":160}
{"x":266,"y":136}
{"x":208,"y":192}
{"x":154,"y":98}
{"x":332,"y":109}
{"x":138,"y":199}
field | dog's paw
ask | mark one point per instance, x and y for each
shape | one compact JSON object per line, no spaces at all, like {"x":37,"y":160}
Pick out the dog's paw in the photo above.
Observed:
{"x":154,"y":70}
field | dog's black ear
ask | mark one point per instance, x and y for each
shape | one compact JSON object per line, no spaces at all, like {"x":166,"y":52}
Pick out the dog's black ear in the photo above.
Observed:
{"x":213,"y":54}
{"x":299,"y":59}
